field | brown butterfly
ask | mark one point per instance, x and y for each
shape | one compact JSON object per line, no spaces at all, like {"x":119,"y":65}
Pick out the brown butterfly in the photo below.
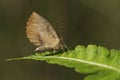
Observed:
{"x":40,"y":32}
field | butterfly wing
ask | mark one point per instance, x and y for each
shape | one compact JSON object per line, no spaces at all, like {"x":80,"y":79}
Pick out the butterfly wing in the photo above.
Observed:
{"x":41,"y":33}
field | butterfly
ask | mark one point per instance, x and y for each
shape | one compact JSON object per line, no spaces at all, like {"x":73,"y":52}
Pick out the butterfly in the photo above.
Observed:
{"x":41,"y":33}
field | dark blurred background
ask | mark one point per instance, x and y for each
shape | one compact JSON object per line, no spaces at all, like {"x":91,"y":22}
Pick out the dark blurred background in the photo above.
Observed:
{"x":77,"y":21}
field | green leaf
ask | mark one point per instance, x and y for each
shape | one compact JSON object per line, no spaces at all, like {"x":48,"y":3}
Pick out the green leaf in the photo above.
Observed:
{"x":99,"y":62}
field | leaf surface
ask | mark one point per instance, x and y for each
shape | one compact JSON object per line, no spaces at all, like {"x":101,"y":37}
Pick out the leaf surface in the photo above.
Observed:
{"x":99,"y":62}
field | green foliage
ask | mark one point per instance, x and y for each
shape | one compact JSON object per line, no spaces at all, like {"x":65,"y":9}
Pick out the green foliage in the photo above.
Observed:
{"x":99,"y":62}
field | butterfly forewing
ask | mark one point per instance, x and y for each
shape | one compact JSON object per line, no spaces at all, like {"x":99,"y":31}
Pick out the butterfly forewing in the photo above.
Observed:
{"x":41,"y":33}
